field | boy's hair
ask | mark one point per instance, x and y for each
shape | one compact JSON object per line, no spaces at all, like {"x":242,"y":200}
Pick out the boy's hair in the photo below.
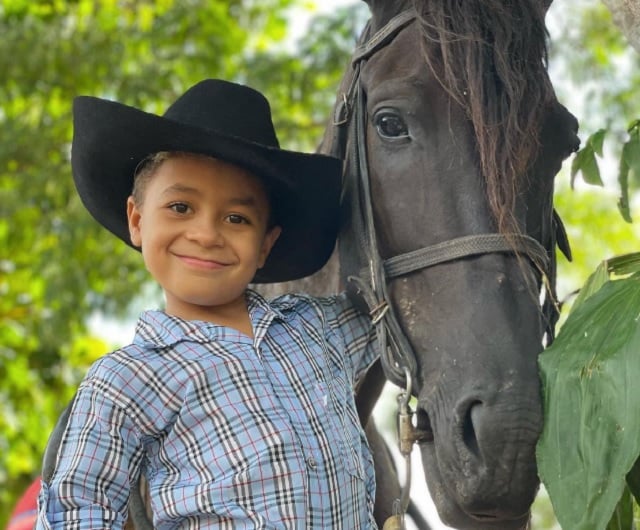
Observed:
{"x":148,"y":166}
{"x":145,"y":170}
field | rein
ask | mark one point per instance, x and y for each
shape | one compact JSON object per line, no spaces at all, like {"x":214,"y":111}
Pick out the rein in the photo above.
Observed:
{"x":369,"y":277}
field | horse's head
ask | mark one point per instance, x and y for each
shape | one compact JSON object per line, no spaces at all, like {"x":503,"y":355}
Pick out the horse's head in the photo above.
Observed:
{"x":464,"y":136}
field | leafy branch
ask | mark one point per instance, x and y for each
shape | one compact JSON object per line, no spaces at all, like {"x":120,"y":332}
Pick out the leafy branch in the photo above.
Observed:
{"x":586,"y":163}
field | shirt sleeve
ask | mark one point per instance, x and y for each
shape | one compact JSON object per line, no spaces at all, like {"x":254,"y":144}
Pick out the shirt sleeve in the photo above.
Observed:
{"x":98,"y":454}
{"x":356,"y":330}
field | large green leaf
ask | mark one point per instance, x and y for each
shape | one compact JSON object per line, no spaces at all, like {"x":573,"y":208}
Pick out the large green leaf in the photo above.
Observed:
{"x":623,"y":265}
{"x":623,"y":514}
{"x":633,"y":480}
{"x":591,"y":436}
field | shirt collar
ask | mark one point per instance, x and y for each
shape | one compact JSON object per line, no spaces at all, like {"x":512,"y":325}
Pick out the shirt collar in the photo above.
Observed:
{"x":158,"y":330}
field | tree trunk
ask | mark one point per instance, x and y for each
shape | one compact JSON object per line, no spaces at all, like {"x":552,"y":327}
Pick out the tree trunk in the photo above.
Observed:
{"x":626,"y":16}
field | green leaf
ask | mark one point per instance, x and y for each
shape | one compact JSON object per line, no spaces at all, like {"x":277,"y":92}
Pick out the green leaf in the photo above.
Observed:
{"x":624,"y":264}
{"x":576,"y":164}
{"x":633,"y":480}
{"x":597,"y":279}
{"x":622,"y":518}
{"x":631,"y":150}
{"x":591,"y":436}
{"x":629,"y":167}
{"x":623,"y":181}
{"x":585,"y":162}
{"x":596,"y":140}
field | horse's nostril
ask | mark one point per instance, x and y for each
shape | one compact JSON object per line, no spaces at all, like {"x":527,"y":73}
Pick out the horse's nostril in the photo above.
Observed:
{"x":469,"y":427}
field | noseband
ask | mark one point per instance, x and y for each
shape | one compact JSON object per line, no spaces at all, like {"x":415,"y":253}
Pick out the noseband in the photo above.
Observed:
{"x":368,"y":285}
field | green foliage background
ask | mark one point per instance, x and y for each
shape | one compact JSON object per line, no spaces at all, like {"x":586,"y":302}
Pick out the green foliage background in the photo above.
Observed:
{"x":58,"y":267}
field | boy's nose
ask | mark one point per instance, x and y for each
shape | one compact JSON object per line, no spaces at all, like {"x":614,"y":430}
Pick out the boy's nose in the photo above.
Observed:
{"x":206,"y":232}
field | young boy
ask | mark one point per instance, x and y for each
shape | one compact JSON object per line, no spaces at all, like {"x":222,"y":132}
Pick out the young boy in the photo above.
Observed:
{"x":239,"y":412}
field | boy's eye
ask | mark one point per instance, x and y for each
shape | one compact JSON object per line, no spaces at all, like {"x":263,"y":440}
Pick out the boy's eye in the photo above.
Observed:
{"x":236,"y":219}
{"x":179,"y":207}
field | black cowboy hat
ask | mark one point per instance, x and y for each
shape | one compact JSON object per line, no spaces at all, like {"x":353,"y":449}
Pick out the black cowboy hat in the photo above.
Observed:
{"x":224,"y":120}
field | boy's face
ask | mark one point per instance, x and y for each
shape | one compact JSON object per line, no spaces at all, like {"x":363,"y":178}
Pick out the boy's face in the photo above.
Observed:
{"x":203,"y":229}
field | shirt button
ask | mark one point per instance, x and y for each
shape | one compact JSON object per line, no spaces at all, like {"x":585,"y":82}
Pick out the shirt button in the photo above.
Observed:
{"x":311,"y":463}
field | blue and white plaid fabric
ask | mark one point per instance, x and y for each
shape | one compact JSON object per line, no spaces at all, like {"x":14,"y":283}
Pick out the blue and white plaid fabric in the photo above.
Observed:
{"x":231,"y":432}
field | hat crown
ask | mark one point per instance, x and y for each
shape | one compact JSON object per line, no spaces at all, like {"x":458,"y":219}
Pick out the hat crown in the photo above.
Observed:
{"x":225,"y":107}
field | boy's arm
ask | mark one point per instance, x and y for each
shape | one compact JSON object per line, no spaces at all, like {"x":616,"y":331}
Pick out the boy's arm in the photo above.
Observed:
{"x":90,"y":485}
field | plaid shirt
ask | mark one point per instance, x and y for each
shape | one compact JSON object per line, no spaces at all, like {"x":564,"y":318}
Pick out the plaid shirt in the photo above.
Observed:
{"x":230,"y":431}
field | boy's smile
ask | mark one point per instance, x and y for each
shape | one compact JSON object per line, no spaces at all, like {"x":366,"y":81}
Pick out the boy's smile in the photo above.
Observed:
{"x":203,"y":229}
{"x":202,"y":262}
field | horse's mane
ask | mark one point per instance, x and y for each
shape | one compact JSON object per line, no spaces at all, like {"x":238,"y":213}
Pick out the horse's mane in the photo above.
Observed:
{"x":491,"y":56}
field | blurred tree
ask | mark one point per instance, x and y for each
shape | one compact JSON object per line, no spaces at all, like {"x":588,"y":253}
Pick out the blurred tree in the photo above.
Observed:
{"x":626,"y":15}
{"x":597,"y":75}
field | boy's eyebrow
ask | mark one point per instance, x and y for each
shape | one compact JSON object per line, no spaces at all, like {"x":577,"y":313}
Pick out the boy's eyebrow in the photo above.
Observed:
{"x":247,"y":200}
{"x":181,"y":188}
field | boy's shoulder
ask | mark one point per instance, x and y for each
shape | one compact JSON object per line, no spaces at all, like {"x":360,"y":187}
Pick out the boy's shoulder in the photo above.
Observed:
{"x":326,"y":306}
{"x":292,"y":300}
{"x":123,"y":355}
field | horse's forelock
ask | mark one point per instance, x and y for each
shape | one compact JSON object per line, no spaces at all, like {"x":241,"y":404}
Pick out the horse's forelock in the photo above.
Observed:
{"x":466,"y":39}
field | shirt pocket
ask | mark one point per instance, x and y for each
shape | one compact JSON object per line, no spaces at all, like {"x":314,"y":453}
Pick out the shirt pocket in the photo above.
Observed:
{"x":352,"y":441}
{"x":355,"y":446}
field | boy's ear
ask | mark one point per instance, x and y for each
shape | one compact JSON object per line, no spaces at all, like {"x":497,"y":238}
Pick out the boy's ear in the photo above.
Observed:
{"x":270,"y":239}
{"x":134,"y":216}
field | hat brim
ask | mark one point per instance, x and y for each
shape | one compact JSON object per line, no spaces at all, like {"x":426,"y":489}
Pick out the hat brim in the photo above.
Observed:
{"x":110,"y":140}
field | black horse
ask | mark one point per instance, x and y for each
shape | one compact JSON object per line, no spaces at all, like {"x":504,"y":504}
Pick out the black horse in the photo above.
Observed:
{"x":452,"y":135}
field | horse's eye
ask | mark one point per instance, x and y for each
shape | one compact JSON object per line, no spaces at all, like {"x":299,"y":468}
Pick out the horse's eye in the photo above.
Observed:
{"x":390,"y":125}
